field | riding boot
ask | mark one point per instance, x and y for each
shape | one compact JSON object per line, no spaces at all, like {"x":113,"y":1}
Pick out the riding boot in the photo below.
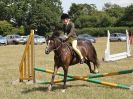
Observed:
{"x":82,"y":61}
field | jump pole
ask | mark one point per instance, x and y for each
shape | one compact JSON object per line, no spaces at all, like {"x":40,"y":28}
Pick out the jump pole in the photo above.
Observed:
{"x":91,"y":75}
{"x":84,"y":78}
{"x":111,"y":73}
{"x":93,"y":81}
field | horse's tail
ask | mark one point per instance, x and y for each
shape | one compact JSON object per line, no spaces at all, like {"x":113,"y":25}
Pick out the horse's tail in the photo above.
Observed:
{"x":96,"y":60}
{"x":97,"y":63}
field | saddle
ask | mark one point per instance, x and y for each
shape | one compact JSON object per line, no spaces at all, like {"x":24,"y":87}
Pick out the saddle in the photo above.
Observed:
{"x":74,"y":54}
{"x":64,"y":40}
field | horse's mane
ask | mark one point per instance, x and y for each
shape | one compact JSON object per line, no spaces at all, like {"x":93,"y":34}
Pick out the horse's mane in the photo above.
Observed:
{"x":59,"y":38}
{"x":56,"y":34}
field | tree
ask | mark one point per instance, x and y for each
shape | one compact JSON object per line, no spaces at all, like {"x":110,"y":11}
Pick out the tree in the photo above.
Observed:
{"x":6,"y":28}
{"x":106,"y":21}
{"x":42,"y":15}
{"x":86,"y":21}
{"x":127,"y":19}
{"x":114,"y":11}
{"x":45,"y":15}
{"x":77,"y":10}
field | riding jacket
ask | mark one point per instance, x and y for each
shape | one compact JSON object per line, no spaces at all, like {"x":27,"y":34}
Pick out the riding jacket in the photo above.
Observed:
{"x":69,"y":30}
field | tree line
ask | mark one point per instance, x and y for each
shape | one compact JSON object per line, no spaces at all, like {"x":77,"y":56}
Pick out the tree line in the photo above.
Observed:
{"x":20,"y":16}
{"x":85,"y":15}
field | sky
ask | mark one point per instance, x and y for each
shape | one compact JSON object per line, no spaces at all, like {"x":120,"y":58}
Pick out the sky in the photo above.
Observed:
{"x":99,"y":3}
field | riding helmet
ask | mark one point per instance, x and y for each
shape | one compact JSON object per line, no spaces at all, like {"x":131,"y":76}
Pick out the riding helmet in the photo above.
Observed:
{"x":64,"y":16}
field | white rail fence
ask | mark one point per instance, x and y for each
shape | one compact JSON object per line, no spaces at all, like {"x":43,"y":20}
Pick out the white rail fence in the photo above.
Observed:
{"x":118,"y":56}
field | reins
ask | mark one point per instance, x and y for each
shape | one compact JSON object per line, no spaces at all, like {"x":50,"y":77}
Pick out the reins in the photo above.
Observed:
{"x":57,"y":47}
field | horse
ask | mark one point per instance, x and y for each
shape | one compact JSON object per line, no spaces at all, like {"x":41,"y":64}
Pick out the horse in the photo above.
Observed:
{"x":65,"y":56}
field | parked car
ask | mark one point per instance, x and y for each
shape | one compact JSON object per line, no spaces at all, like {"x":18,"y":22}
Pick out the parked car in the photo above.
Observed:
{"x":118,"y":37}
{"x":14,"y":39}
{"x":39,"y":39}
{"x":25,"y":38}
{"x":3,"y":40}
{"x":87,"y":37}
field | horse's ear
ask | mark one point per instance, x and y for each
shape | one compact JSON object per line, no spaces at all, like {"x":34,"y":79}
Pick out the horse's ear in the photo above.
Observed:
{"x":47,"y":37}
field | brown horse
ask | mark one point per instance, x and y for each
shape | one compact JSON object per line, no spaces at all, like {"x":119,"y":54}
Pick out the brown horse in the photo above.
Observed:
{"x":65,"y":56}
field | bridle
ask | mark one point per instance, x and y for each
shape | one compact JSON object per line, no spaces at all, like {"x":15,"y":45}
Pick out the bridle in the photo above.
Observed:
{"x":56,"y":48}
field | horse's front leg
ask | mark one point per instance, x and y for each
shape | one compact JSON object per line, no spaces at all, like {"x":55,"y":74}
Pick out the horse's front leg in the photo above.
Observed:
{"x":52,"y":80}
{"x":65,"y":68}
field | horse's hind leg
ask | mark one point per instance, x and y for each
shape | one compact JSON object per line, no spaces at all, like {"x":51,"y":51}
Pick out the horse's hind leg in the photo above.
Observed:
{"x":89,"y":65}
{"x":52,"y":80}
{"x":95,"y":68}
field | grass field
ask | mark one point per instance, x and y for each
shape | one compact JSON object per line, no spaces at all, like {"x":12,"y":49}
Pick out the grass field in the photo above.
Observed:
{"x":10,"y":57}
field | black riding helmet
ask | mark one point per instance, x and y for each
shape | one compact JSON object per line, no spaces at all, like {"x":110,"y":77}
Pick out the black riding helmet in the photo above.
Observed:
{"x":64,"y":16}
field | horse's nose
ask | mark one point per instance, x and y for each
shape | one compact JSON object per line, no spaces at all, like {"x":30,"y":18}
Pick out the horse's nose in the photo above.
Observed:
{"x":46,"y":51}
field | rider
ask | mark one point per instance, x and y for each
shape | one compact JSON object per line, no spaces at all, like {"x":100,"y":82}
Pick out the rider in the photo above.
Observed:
{"x":69,"y":32}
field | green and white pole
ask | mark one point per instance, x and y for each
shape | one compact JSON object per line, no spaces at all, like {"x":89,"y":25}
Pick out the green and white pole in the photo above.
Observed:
{"x":85,"y":78}
{"x":111,"y":74}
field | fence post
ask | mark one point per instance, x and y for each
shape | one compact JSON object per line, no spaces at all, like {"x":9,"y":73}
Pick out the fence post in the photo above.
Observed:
{"x":26,"y":68}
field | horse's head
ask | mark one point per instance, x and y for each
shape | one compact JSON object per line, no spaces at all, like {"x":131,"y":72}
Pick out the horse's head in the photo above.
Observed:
{"x":53,"y":43}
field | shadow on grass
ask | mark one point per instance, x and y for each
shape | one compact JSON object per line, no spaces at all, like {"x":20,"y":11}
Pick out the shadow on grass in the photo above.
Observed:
{"x":59,"y":87}
{"x":55,"y":87}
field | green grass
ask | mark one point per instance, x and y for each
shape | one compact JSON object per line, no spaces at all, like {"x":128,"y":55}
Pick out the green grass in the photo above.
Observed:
{"x":10,"y":57}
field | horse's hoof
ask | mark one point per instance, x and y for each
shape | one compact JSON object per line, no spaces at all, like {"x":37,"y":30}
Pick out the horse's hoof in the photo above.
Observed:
{"x":49,"y":88}
{"x":94,"y":72}
{"x":63,"y":91}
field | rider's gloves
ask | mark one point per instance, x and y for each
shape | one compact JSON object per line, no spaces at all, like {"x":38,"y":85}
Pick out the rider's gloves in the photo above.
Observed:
{"x":66,"y":36}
